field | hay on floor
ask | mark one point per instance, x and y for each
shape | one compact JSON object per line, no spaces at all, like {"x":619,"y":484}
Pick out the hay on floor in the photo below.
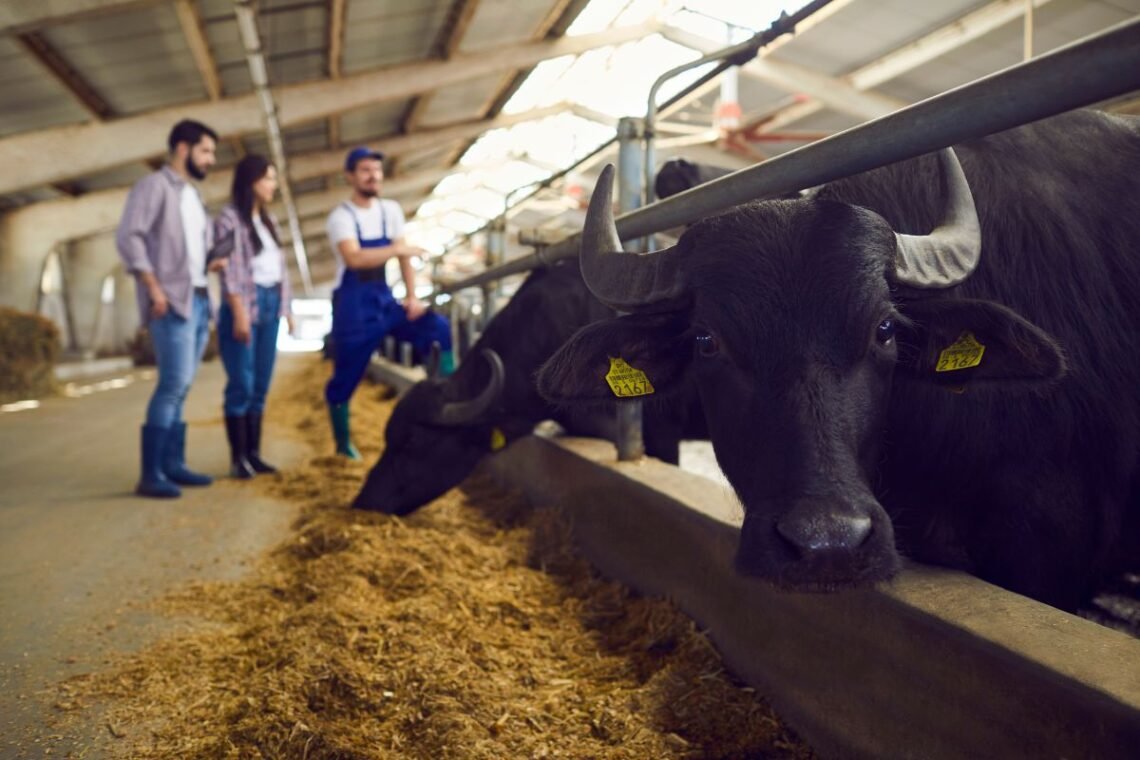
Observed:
{"x":468,"y":630}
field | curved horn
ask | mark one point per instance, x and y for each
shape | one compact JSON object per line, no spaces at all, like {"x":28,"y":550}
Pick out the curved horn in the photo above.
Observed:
{"x":456,"y":413}
{"x":949,"y":254}
{"x":625,"y":281}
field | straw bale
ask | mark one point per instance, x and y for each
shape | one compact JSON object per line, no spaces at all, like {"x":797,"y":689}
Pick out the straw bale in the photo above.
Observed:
{"x":29,"y":349}
{"x":470,"y":629}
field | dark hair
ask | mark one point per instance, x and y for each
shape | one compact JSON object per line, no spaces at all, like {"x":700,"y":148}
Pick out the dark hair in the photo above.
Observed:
{"x":190,"y":132}
{"x":247,"y":172}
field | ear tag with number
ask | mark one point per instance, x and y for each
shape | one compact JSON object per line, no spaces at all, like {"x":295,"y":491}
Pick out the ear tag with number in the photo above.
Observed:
{"x":963,"y":353}
{"x":626,"y":381}
{"x":498,"y":439}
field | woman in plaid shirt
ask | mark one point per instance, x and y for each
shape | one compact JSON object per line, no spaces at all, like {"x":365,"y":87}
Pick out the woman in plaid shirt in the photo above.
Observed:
{"x":255,"y":286}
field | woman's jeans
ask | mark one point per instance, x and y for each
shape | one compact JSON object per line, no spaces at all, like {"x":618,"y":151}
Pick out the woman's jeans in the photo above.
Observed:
{"x":249,"y":366}
{"x":178,"y":347}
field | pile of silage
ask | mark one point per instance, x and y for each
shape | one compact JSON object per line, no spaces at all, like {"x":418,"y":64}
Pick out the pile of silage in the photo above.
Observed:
{"x":468,"y":630}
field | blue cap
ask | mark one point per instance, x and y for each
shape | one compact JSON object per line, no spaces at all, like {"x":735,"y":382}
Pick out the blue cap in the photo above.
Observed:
{"x":358,"y":154}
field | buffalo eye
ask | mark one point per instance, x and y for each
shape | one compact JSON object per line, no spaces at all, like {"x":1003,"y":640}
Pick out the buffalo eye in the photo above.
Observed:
{"x":885,"y":331}
{"x":707,"y":345}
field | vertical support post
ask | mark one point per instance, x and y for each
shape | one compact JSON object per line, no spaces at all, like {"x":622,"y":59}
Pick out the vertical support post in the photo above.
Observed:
{"x":453,"y":314}
{"x":630,"y":444}
{"x":1028,"y":53}
{"x":496,"y":255}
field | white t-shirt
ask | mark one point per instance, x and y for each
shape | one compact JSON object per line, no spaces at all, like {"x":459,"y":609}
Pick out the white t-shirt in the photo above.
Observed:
{"x":344,"y":218}
{"x":194,"y":228}
{"x":267,"y":264}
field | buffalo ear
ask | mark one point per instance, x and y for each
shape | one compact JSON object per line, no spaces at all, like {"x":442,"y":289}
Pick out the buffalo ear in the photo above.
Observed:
{"x":654,"y":344}
{"x":935,"y":345}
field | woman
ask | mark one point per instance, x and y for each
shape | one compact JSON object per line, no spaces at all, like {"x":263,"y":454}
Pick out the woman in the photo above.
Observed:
{"x":255,"y":289}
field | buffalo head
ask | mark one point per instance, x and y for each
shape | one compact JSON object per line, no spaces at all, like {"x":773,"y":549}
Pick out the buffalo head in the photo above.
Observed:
{"x":793,"y":318}
{"x":432,"y":442}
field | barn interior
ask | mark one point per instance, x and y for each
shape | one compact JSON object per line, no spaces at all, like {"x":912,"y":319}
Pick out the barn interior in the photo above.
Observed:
{"x":495,"y":119}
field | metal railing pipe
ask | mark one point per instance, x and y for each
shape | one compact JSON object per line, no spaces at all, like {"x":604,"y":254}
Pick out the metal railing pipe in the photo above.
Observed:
{"x":1082,"y":73}
{"x":733,"y":55}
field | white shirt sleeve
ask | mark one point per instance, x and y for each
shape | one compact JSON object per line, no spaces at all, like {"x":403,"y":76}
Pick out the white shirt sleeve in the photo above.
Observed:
{"x":395,"y":216}
{"x":341,"y":226}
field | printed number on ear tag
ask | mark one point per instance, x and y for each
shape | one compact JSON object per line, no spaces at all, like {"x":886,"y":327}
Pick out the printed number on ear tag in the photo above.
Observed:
{"x":626,"y":381}
{"x":498,"y":440}
{"x":963,"y":353}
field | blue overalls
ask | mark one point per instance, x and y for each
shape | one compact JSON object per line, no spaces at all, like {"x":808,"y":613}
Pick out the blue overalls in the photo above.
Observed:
{"x":364,"y":311}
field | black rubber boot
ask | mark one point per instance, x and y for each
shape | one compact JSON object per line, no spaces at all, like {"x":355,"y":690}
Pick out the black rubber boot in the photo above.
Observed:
{"x":153,"y":482}
{"x":253,"y":441}
{"x":174,"y":460}
{"x":237,"y":433}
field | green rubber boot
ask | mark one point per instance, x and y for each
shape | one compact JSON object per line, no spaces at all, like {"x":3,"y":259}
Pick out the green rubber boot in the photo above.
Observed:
{"x":446,"y":363}
{"x":338,"y":414}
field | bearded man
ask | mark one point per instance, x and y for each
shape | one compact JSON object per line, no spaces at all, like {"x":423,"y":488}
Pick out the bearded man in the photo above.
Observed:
{"x":163,"y":238}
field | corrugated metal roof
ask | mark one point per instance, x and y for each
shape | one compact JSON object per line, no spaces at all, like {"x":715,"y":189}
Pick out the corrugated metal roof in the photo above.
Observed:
{"x":387,"y":32}
{"x":366,"y":124}
{"x":32,"y":99}
{"x":139,"y":58}
{"x":137,"y":61}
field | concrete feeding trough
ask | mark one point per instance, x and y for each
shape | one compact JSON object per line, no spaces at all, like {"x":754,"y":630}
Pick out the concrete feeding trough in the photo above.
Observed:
{"x":936,"y":664}
{"x":396,"y":376}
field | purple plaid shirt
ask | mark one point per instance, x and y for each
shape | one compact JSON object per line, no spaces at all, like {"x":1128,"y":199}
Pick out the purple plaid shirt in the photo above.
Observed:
{"x":150,"y":239}
{"x":234,"y":238}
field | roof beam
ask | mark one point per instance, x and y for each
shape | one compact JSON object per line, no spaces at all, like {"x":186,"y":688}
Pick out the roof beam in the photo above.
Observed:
{"x":336,"y":13}
{"x":93,"y":213}
{"x":18,"y":16}
{"x":910,"y":56}
{"x":199,"y":46}
{"x":323,"y":201}
{"x":460,"y":17}
{"x":87,"y":148}
{"x":336,"y":38}
{"x":307,"y":166}
{"x":62,"y":71}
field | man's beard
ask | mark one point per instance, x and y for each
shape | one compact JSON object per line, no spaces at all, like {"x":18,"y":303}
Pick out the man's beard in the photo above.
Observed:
{"x":368,"y":192}
{"x":194,"y":170}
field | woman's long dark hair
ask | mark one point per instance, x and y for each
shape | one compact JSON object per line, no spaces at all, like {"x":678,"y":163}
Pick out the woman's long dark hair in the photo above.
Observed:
{"x":248,"y":171}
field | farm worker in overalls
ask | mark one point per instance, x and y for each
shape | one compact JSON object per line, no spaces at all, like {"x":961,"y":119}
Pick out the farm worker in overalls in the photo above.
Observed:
{"x":366,"y":231}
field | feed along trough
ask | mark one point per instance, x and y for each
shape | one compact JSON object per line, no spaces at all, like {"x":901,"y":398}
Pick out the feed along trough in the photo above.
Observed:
{"x":937,"y":664}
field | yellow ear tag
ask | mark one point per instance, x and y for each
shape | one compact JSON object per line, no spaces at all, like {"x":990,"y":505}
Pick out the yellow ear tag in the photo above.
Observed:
{"x":963,"y":353}
{"x":498,"y":440}
{"x":626,"y":381}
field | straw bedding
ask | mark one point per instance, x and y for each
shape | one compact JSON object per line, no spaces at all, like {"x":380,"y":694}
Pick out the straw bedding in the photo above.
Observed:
{"x":468,"y":630}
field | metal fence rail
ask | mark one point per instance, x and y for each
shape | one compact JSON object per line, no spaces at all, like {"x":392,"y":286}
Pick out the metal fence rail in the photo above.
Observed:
{"x":1082,"y":73}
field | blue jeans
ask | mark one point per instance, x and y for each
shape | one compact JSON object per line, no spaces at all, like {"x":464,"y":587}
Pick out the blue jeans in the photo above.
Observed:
{"x":249,"y":366}
{"x":178,"y":347}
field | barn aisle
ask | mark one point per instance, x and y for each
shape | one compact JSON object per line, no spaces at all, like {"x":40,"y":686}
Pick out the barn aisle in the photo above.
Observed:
{"x":79,"y":553}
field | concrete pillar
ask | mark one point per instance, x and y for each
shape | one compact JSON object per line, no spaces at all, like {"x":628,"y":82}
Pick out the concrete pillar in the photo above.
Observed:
{"x":125,"y":311}
{"x":496,"y":255}
{"x":87,"y":263}
{"x":29,"y":233}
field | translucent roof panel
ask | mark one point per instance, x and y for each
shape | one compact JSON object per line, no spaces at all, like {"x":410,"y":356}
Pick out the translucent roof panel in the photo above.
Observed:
{"x":504,"y":165}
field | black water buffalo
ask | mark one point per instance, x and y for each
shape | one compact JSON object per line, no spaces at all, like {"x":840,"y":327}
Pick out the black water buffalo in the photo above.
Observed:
{"x":887,"y":372}
{"x":441,"y":429}
{"x":679,"y":174}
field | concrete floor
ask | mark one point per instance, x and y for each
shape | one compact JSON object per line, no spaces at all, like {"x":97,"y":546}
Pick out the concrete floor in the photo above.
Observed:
{"x":79,"y":552}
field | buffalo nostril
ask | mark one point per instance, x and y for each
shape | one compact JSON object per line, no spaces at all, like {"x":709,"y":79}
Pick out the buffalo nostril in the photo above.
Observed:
{"x":812,"y":534}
